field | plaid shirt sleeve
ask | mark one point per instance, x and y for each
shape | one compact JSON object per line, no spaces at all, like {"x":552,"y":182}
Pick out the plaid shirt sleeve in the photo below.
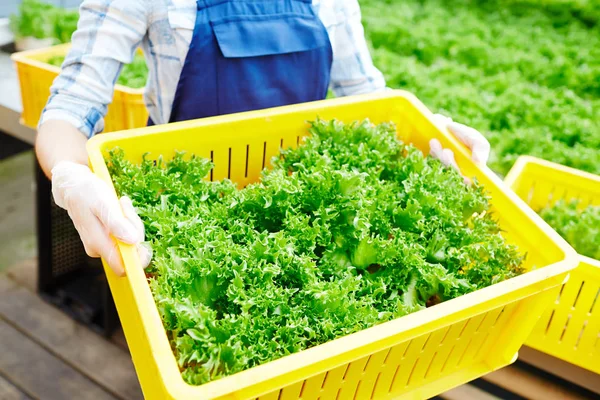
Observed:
{"x":352,"y":71}
{"x":108,"y":34}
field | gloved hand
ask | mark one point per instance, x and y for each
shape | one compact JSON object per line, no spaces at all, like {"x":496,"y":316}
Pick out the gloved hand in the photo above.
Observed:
{"x":473,"y":139}
{"x":97,"y":214}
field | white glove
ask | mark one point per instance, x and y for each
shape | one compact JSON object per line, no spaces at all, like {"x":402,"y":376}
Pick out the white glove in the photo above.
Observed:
{"x":97,"y":214}
{"x":473,"y":139}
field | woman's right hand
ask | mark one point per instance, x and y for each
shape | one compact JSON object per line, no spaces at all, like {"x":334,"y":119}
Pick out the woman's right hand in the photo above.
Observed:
{"x":97,"y":214}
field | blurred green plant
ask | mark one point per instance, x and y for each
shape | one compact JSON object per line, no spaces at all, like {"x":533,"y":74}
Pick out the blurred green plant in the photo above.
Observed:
{"x":41,"y":20}
{"x":526,"y":73}
{"x":132,"y":75}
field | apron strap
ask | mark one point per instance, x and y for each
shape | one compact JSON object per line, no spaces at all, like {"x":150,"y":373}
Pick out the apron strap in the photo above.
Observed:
{"x":202,"y":4}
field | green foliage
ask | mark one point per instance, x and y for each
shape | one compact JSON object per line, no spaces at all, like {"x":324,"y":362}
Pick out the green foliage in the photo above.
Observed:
{"x":42,"y":20}
{"x":526,"y":73}
{"x":32,"y":20}
{"x":57,"y":61}
{"x":351,"y":229}
{"x":65,"y":24}
{"x":132,"y":75}
{"x":578,"y":226}
{"x":561,"y":11}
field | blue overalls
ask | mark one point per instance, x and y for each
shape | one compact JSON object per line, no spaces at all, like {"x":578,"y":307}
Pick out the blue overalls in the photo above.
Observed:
{"x":252,"y":54}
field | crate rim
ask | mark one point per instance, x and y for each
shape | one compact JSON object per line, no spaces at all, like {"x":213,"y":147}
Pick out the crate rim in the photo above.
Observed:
{"x":300,"y":365}
{"x":521,"y":164}
{"x":523,"y":161}
{"x":567,"y":178}
{"x":24,"y":57}
{"x":590,"y":261}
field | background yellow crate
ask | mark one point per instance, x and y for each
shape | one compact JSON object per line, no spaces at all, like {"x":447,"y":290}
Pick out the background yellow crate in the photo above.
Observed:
{"x":126,"y":111}
{"x":416,"y":356}
{"x":570,"y":329}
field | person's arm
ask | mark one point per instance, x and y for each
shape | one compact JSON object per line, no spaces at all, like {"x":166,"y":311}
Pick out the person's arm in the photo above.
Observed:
{"x":109,"y":31}
{"x":107,"y":36}
{"x":59,"y":141}
{"x":352,"y":71}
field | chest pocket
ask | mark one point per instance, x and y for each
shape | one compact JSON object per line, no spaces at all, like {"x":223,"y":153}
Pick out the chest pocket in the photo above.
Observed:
{"x":266,"y":35}
{"x":182,"y":19}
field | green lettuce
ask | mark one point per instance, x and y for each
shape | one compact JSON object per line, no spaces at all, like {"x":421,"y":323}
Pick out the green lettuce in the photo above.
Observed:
{"x":351,"y":229}
{"x":580,"y":226}
{"x":526,"y":73}
{"x":42,"y":20}
{"x":132,"y":75}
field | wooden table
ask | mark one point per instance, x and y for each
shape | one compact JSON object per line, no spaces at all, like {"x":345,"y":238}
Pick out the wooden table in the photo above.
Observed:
{"x":46,"y":355}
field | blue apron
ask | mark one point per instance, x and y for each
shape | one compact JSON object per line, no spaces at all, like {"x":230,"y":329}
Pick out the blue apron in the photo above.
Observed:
{"x":252,"y":54}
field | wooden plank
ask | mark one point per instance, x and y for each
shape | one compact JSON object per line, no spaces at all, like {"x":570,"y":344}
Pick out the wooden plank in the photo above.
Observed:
{"x":467,"y":392}
{"x":30,"y":367}
{"x":530,"y":386}
{"x":17,"y":229}
{"x":10,"y":392}
{"x":560,"y":368}
{"x":25,"y":273}
{"x":100,"y":360}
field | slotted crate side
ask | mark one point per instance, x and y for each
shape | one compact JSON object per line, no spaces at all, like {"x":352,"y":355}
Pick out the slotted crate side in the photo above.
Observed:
{"x":127,"y":110}
{"x":570,"y":328}
{"x":35,"y":90}
{"x":240,"y":145}
{"x":416,"y":368}
{"x":541,"y":183}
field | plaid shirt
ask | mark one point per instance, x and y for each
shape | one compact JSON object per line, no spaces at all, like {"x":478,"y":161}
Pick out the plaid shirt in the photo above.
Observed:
{"x":110,"y":31}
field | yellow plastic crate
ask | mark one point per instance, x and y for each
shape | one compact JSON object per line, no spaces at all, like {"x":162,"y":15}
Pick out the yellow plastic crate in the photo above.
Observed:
{"x":126,"y":111}
{"x":416,"y":356}
{"x":570,"y":329}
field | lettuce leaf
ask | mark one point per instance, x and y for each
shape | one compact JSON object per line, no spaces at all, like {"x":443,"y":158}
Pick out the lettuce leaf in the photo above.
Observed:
{"x":350,"y":229}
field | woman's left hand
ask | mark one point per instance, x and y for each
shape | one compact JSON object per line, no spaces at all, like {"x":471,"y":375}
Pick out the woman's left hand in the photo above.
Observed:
{"x":473,"y":139}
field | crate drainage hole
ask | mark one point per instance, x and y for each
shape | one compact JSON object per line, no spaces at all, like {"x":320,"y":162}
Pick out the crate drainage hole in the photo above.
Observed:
{"x":581,"y":334}
{"x":394,"y":378}
{"x":375,"y":386}
{"x":430,"y":364}
{"x":324,"y":380}
{"x":594,"y":302}
{"x":385,"y":360}
{"x":562,"y":335}
{"x":578,"y":294}
{"x":550,"y":321}
{"x":229,"y":165}
{"x":247,"y":156}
